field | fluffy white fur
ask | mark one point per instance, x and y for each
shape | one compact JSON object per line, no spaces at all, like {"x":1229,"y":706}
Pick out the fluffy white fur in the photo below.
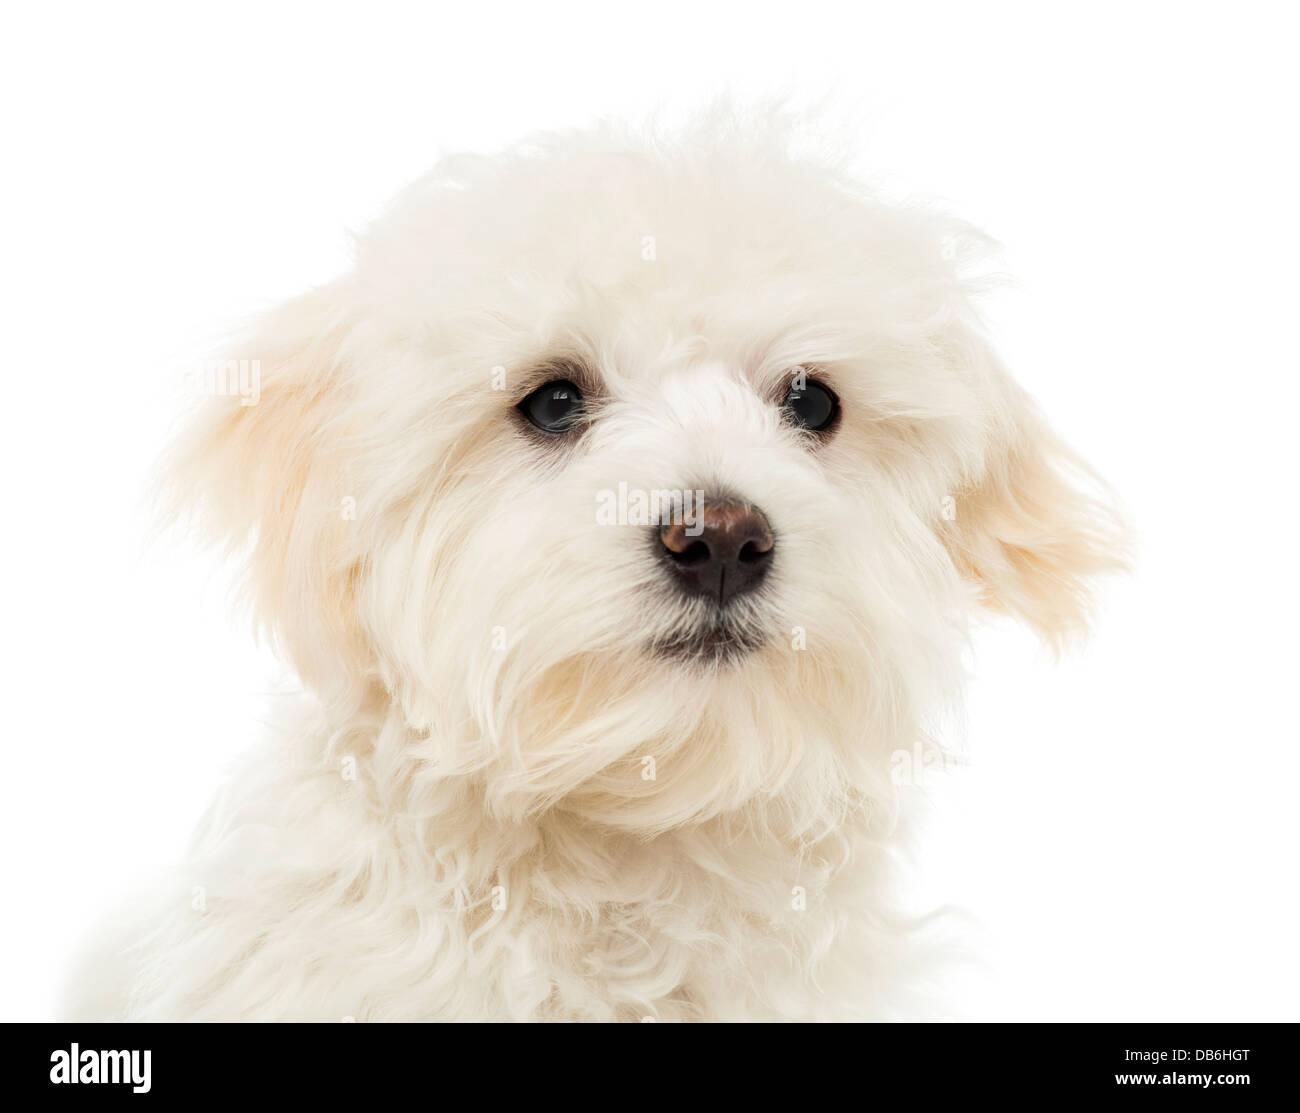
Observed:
{"x":458,"y":822}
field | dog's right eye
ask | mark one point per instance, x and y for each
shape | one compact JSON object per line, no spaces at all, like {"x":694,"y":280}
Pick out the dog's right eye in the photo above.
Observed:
{"x":553,"y":408}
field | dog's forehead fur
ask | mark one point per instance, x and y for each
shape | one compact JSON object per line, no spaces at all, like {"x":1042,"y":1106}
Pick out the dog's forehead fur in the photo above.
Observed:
{"x":744,"y":253}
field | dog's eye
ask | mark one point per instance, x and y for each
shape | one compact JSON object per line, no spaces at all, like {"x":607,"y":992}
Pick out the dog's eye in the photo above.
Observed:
{"x":811,"y":405}
{"x":553,"y":408}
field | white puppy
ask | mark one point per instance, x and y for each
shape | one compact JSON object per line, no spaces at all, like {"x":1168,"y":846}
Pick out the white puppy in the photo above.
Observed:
{"x":623,"y":509}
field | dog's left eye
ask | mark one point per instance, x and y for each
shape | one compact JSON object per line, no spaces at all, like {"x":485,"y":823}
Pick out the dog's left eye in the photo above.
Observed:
{"x":811,"y":405}
{"x":553,"y":408}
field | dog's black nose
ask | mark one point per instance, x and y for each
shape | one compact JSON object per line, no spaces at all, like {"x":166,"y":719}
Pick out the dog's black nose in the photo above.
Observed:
{"x":724,"y":552}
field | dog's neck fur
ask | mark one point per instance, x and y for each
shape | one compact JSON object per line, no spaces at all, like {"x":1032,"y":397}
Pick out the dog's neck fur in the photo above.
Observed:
{"x":545,"y":915}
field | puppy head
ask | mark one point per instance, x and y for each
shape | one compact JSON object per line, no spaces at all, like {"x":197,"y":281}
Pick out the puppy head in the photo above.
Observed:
{"x":646,"y":480}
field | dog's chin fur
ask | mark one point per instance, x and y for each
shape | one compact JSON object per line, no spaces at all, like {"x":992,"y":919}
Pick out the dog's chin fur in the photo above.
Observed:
{"x":716,"y":645}
{"x":527,"y":780}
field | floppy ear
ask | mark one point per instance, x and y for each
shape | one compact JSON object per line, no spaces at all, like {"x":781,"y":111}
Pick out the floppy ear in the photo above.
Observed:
{"x":263,"y":471}
{"x":1036,"y":527}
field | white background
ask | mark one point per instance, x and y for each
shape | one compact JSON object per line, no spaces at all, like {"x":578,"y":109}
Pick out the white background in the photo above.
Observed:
{"x":1126,"y":829}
